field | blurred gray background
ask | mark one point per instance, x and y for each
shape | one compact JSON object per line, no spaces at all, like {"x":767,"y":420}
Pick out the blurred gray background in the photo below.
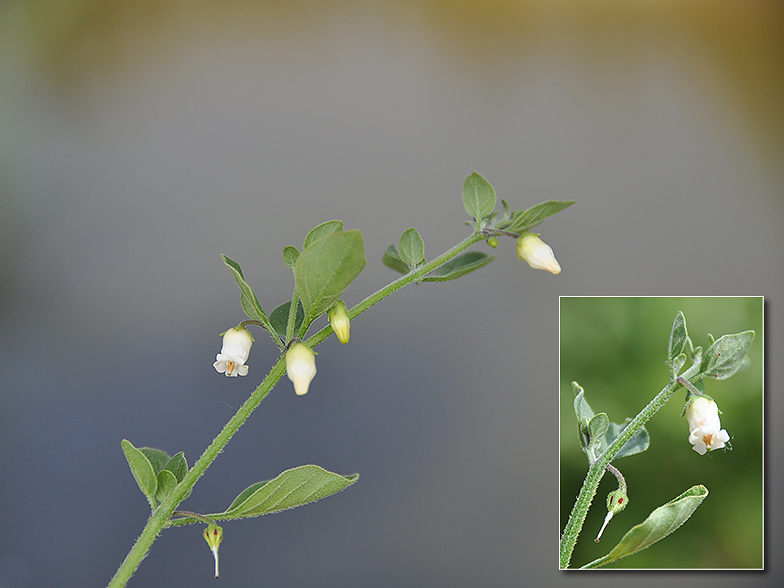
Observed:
{"x":140,"y":140}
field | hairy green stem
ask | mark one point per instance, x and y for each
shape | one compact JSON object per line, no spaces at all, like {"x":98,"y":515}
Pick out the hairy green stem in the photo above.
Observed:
{"x":597,"y":469}
{"x":161,"y":516}
{"x":292,"y":315}
{"x":409,"y":278}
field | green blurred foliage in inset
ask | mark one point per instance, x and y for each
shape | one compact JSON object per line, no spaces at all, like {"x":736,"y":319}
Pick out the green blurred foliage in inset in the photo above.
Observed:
{"x":616,"y":348}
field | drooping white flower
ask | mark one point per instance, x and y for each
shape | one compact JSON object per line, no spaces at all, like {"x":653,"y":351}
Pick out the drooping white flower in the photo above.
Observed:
{"x":705,"y":432}
{"x":236,"y":348}
{"x":300,"y":367}
{"x":338,"y":318}
{"x":537,"y":253}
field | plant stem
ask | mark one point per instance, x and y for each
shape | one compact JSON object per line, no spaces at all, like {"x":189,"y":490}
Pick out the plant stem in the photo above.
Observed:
{"x":161,"y":516}
{"x":410,"y":277}
{"x":597,"y":469}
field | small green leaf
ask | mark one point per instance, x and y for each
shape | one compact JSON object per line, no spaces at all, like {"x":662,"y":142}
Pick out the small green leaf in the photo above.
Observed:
{"x":279,"y":318}
{"x":292,"y":488}
{"x":585,"y":418}
{"x":158,"y":459}
{"x":678,"y":337}
{"x":412,"y":247}
{"x":322,"y":230}
{"x":250,"y":304}
{"x":178,"y":466}
{"x":142,"y":471}
{"x":505,"y":204}
{"x":584,"y":413}
{"x":290,"y":255}
{"x":582,"y":410}
{"x":598,"y":426}
{"x":393,"y":260}
{"x":661,"y":522}
{"x":725,"y":356}
{"x":638,"y":443}
{"x":325,"y":268}
{"x":522,"y":220}
{"x":459,"y":266}
{"x":677,"y":364}
{"x":478,"y":196}
{"x":166,"y":483}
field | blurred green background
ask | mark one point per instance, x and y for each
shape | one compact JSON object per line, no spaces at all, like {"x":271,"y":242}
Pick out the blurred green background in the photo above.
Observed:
{"x":615,"y":348}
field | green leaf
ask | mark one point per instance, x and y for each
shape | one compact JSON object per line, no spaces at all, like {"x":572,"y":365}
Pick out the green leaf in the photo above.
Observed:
{"x":459,"y":266}
{"x":584,"y":413}
{"x":178,"y":466}
{"x":279,"y":318}
{"x":725,"y":356}
{"x":677,"y":364}
{"x":478,"y":196}
{"x":142,"y":471}
{"x":598,"y":426}
{"x":292,"y":488}
{"x":678,"y":337}
{"x":412,"y":247}
{"x":325,"y":268}
{"x":322,"y":230}
{"x":522,"y":220}
{"x":638,"y":443}
{"x":582,"y":410}
{"x":290,"y":255}
{"x":661,"y":522}
{"x":166,"y":483}
{"x":393,"y":260}
{"x":158,"y":459}
{"x":250,"y":304}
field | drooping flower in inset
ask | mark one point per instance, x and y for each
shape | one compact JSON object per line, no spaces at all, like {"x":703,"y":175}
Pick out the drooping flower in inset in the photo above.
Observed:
{"x":705,"y":432}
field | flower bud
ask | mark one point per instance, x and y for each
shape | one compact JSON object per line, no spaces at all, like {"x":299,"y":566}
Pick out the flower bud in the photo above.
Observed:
{"x":300,"y":367}
{"x":213,"y":535}
{"x":492,"y":240}
{"x":705,"y":432}
{"x":236,"y":348}
{"x":537,"y":253}
{"x":338,"y":318}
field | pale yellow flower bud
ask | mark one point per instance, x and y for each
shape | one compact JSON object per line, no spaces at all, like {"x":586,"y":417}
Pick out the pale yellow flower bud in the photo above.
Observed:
{"x":338,"y":318}
{"x":300,"y":367}
{"x":537,"y":253}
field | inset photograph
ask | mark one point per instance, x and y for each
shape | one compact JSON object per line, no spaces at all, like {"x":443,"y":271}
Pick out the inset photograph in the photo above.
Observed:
{"x":661,"y":433}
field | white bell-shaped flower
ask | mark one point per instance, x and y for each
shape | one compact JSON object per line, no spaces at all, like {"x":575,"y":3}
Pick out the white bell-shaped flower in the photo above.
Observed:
{"x":236,"y":348}
{"x":537,"y":253}
{"x":300,"y":367}
{"x":705,"y":432}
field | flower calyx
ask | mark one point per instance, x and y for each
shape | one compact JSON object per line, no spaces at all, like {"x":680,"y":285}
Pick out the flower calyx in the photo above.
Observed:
{"x":213,"y":535}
